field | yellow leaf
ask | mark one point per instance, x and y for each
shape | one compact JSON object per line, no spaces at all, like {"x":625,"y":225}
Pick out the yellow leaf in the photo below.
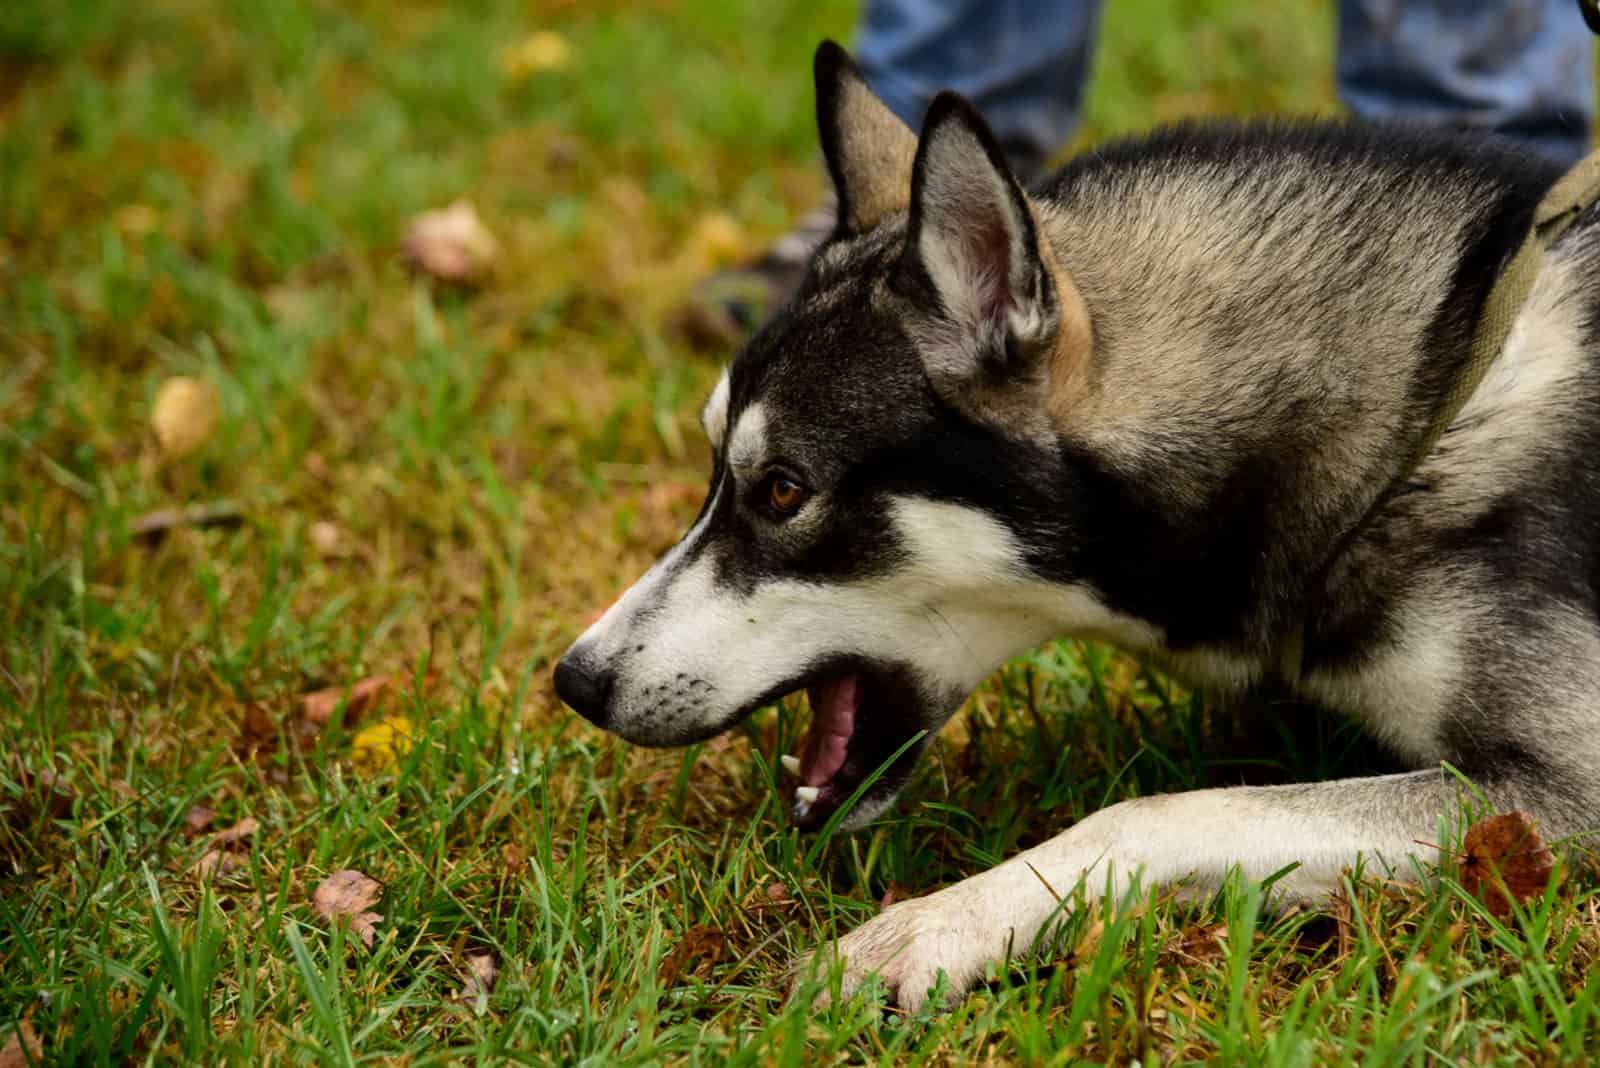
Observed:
{"x":379,"y":745}
{"x":544,"y":50}
{"x":184,"y":414}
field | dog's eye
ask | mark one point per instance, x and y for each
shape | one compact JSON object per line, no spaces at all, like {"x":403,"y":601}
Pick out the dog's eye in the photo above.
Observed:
{"x":784,"y":494}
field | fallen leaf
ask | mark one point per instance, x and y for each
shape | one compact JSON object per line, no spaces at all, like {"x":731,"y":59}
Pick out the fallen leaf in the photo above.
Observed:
{"x":245,"y":828}
{"x":22,"y":1048}
{"x":184,"y":415}
{"x":481,"y":975}
{"x":778,"y":894}
{"x":365,"y":924}
{"x":1198,"y":945}
{"x":215,"y":863}
{"x":318,"y":708}
{"x":348,"y":894}
{"x":1504,"y":854}
{"x":198,"y":818}
{"x":451,"y":244}
{"x":379,"y":746}
{"x":221,"y":857}
{"x":516,"y":857}
{"x":326,"y":537}
{"x":153,"y":525}
{"x":701,"y":943}
{"x":258,"y":731}
{"x":543,"y":50}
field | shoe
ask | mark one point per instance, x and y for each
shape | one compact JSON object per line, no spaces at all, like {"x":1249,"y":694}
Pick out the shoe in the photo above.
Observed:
{"x":730,"y":305}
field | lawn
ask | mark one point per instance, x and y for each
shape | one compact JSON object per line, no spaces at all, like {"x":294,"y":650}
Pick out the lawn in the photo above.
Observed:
{"x":416,"y":494}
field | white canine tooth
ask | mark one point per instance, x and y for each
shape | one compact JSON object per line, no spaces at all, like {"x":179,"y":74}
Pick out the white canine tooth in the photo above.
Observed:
{"x":808,"y":794}
{"x":791,"y":763}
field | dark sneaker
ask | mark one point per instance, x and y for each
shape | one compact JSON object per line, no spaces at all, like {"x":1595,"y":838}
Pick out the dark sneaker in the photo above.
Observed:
{"x":730,"y":305}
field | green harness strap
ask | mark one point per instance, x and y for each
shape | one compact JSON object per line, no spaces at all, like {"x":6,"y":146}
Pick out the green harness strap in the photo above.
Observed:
{"x":1566,"y":200}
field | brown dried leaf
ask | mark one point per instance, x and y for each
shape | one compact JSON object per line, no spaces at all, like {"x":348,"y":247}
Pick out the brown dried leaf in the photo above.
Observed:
{"x":778,"y":894}
{"x":228,"y":836}
{"x":365,"y":924}
{"x":216,"y":863}
{"x":1504,"y":854}
{"x":451,"y":245}
{"x":516,"y":857}
{"x":198,"y":818}
{"x":481,"y":975}
{"x":702,"y":944}
{"x":22,"y":1048}
{"x":317,"y":709}
{"x":348,"y":893}
{"x":256,"y":726}
{"x":222,"y":856}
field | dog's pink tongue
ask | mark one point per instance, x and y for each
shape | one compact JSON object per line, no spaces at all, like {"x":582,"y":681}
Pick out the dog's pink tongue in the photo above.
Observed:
{"x":833,"y":717}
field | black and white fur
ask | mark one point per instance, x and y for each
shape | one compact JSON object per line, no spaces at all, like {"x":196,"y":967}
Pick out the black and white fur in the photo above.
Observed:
{"x":1164,"y":400}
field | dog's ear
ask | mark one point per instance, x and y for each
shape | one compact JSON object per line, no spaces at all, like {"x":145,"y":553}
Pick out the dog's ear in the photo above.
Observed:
{"x":973,"y":241}
{"x":868,"y":149}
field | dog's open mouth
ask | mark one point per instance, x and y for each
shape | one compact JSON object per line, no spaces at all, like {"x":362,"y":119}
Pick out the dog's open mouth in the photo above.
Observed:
{"x":859,"y":720}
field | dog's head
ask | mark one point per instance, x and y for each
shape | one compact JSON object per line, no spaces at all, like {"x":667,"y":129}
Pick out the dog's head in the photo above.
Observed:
{"x":877,"y":445}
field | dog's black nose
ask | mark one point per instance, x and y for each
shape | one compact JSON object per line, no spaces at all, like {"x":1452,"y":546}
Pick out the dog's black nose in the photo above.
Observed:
{"x":585,"y":686}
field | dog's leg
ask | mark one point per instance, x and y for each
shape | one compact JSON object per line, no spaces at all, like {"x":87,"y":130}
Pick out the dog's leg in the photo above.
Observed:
{"x":1323,"y":827}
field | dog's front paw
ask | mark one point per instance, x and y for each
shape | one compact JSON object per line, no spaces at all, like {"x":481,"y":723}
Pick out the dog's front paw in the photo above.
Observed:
{"x":908,"y":947}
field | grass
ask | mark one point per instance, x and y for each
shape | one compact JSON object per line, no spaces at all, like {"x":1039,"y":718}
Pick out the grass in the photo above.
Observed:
{"x":443,"y":486}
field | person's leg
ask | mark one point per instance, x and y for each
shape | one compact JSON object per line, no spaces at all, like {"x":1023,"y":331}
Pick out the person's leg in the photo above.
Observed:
{"x":1522,"y":68}
{"x":1023,"y":63}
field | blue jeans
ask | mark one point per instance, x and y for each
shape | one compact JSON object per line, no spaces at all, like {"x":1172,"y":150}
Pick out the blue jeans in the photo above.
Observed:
{"x":1522,"y":68}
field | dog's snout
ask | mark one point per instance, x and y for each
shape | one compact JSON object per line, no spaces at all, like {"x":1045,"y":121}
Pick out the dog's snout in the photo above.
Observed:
{"x":585,"y":686}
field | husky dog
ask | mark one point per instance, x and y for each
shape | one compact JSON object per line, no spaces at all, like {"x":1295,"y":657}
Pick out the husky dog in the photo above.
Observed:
{"x":1170,"y":398}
